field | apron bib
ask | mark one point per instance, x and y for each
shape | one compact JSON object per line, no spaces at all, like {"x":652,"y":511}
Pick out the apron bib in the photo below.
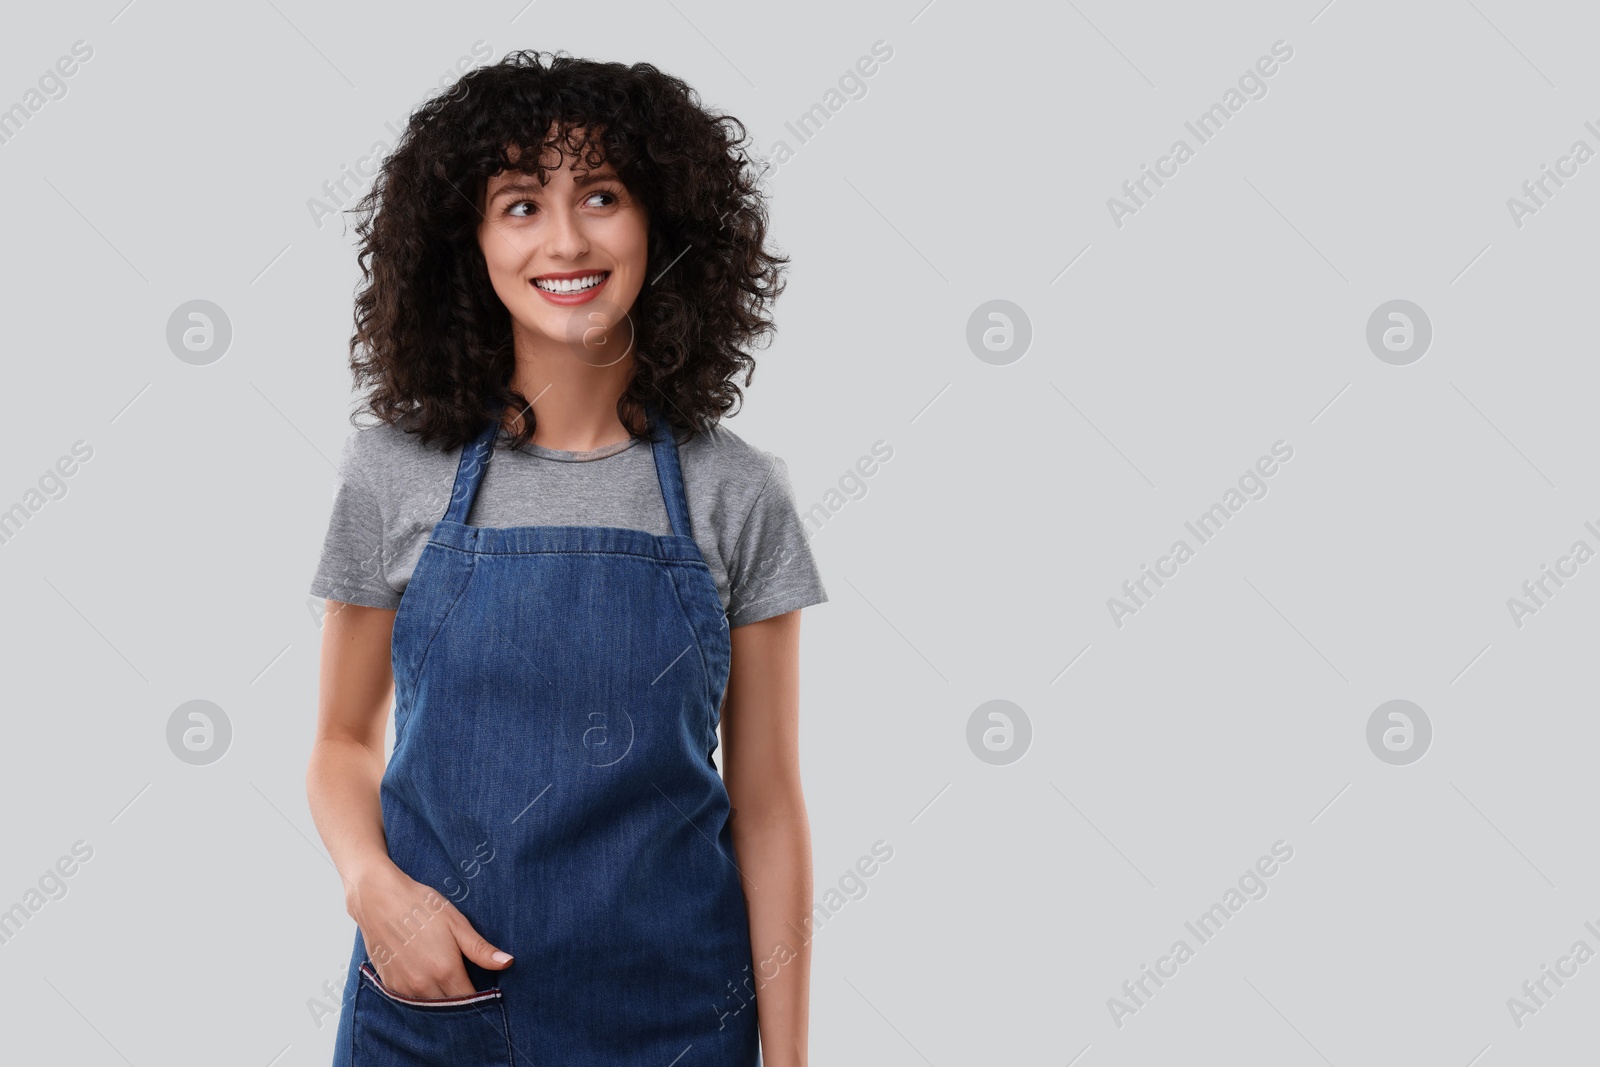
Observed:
{"x":557,"y":692}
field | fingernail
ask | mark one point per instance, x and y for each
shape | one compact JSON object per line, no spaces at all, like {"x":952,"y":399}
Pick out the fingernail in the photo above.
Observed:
{"x":501,"y":957}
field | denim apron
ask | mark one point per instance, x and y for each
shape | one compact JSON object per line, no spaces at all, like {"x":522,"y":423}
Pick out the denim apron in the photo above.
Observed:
{"x":557,"y":692}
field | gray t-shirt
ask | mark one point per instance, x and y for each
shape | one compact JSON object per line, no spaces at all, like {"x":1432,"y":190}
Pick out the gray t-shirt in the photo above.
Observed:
{"x":392,"y":490}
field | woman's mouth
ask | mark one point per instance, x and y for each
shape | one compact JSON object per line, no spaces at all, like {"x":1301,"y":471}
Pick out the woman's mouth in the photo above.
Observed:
{"x":571,"y":287}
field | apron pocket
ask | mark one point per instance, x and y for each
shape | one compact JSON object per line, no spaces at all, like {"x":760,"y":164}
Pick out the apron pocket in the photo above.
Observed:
{"x":394,"y":1030}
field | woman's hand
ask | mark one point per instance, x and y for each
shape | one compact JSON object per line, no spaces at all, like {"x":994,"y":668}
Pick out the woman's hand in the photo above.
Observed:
{"x":415,"y":937}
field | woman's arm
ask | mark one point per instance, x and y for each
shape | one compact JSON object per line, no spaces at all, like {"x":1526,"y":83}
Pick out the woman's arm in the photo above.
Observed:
{"x":771,"y":835}
{"x":347,"y":755}
{"x":342,"y":780}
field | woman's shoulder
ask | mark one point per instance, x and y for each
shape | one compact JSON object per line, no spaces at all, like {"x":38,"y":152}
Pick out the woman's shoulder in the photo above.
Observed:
{"x":722,"y":461}
{"x":746,"y":492}
{"x":382,"y":456}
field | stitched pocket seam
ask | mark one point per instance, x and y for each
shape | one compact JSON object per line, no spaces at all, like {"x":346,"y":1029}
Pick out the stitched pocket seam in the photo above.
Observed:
{"x":433,"y":638}
{"x":427,"y":1003}
{"x":694,"y":634}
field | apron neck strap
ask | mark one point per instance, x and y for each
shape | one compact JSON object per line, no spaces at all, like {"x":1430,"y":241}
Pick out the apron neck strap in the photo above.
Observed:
{"x":469,"y":472}
{"x":475,"y":457}
{"x":668,"y":472}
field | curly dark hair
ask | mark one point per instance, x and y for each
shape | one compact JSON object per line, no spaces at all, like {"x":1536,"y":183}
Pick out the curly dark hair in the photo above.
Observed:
{"x":433,"y":340}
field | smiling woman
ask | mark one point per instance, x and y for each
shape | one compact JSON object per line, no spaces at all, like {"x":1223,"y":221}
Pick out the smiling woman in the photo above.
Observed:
{"x":447,"y":270}
{"x":565,"y":240}
{"x":557,"y":560}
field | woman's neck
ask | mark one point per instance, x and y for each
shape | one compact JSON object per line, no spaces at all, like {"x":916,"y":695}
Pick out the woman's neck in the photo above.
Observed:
{"x":574,"y":401}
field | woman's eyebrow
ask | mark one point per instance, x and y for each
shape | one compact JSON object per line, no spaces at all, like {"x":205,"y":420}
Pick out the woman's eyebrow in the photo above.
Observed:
{"x":531,"y":184}
{"x":520,"y":185}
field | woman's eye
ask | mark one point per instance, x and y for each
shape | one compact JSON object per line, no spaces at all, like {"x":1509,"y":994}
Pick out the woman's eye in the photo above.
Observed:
{"x":515,"y":209}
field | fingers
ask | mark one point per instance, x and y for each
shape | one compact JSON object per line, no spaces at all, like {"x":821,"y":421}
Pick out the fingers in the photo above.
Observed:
{"x":475,"y":948}
{"x":455,"y":985}
{"x":433,"y":966}
{"x":447,"y":979}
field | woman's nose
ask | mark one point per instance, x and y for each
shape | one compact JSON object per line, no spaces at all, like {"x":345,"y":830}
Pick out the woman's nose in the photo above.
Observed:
{"x":566,"y":235}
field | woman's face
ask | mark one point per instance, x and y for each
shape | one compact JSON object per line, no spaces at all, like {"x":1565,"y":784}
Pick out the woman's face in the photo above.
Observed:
{"x":568,"y":258}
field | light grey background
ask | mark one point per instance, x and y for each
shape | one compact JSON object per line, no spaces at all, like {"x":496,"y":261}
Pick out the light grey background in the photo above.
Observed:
{"x":1166,"y":755}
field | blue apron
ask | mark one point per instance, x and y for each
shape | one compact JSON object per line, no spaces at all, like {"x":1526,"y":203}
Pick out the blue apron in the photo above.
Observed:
{"x":557,"y":691}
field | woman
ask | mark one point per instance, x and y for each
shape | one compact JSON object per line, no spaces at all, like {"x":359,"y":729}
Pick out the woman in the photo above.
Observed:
{"x":561,"y":264}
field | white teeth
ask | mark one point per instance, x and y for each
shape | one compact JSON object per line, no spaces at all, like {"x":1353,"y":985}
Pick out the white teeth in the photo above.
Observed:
{"x":569,"y":285}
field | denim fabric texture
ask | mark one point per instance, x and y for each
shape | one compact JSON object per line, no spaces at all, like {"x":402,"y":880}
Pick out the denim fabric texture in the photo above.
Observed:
{"x":557,"y":691}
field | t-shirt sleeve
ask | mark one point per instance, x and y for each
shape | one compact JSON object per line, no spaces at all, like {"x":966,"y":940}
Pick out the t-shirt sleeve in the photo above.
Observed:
{"x":772,"y":570}
{"x":351,"y":568}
